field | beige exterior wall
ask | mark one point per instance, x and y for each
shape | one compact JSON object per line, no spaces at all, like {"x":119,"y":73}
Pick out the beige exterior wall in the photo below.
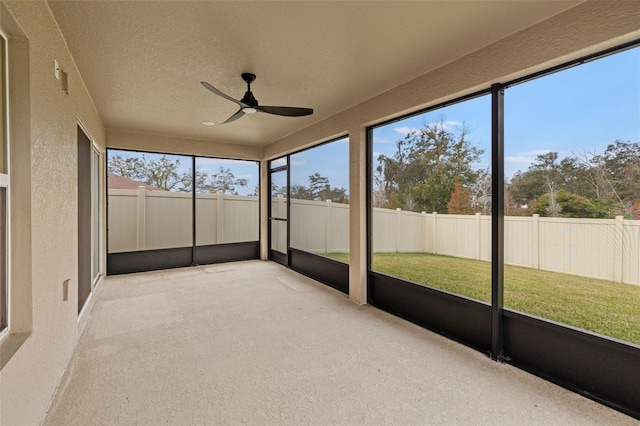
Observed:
{"x":45,"y":247}
{"x":172,"y":145}
{"x":46,"y":256}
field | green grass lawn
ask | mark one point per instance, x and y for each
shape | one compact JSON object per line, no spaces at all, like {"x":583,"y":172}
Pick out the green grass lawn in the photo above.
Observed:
{"x":608,"y":308}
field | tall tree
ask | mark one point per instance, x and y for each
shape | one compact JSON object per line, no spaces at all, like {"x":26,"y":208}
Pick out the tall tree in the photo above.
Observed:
{"x":319,"y":189}
{"x":378,"y":194}
{"x":163,"y":172}
{"x":224,"y":181}
{"x":460,"y":201}
{"x":129,"y":167}
{"x":318,"y":185}
{"x":278,"y":190}
{"x":301,"y":192}
{"x":201,"y":181}
{"x":609,"y":180}
{"x":480,"y":193}
{"x":622,"y":162}
{"x":528,"y":186}
{"x":427,"y":163}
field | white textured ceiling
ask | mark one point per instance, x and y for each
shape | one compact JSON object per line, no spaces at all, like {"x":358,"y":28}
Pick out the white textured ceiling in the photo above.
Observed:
{"x":142,"y":61}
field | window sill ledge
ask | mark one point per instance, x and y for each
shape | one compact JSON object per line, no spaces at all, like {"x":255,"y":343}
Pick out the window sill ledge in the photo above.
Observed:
{"x":10,"y":345}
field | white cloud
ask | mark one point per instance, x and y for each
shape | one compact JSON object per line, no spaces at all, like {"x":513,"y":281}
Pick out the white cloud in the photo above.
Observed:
{"x":518,"y":159}
{"x":447,"y":124}
{"x":376,"y":154}
{"x":526,"y":157}
{"x":406,"y":130}
{"x":297,"y":163}
{"x":377,"y":139}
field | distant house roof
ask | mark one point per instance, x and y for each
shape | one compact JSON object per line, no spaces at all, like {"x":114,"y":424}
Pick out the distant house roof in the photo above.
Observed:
{"x":118,"y":182}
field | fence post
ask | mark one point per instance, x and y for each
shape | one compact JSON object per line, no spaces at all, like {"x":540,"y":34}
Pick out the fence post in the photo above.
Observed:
{"x":618,"y":274}
{"x":398,"y":229}
{"x":327,"y":234}
{"x":435,"y":232}
{"x":535,"y":240}
{"x":478,"y":239}
{"x":424,"y":231}
{"x":220,"y":217}
{"x":141,"y":222}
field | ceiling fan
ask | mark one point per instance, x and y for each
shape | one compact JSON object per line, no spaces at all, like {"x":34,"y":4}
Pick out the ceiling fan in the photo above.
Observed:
{"x":249,"y":104}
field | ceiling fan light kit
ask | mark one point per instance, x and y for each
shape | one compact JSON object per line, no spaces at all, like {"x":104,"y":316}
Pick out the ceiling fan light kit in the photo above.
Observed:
{"x":249,"y":104}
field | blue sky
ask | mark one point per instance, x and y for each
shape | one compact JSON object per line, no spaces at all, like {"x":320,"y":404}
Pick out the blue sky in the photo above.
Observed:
{"x":330,"y":160}
{"x":584,"y":108}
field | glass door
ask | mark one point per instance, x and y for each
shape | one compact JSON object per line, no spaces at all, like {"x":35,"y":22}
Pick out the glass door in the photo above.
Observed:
{"x":278,"y":210}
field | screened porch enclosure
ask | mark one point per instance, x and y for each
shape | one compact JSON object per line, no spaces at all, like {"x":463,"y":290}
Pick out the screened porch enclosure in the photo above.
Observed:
{"x":446,"y":189}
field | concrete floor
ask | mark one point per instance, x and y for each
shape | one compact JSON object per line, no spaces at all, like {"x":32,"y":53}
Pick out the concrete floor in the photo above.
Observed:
{"x":255,"y":343}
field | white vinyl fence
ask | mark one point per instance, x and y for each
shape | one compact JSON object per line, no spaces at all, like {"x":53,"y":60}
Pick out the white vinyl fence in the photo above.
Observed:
{"x":147,"y":220}
{"x":599,"y":248}
{"x":319,"y":227}
{"x":606,"y":249}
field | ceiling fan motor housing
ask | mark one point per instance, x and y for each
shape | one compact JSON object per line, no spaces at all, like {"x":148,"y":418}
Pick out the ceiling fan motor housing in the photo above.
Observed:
{"x":248,"y":77}
{"x":248,"y":98}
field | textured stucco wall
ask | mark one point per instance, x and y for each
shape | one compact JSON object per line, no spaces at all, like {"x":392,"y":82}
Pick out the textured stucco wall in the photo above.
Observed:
{"x":29,"y":379}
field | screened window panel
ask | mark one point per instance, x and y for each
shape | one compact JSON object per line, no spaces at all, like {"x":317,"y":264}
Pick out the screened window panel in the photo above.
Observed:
{"x":431,"y":199}
{"x":150,"y":201}
{"x":227,"y":204}
{"x":572,"y":206}
{"x":319,"y":221}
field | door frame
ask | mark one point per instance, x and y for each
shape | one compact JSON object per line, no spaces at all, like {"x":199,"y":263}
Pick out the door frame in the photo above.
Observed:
{"x":275,"y":255}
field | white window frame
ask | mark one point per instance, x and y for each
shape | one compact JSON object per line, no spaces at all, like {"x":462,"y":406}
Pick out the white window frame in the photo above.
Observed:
{"x":5,"y":183}
{"x":96,"y":215}
{"x":95,"y":275}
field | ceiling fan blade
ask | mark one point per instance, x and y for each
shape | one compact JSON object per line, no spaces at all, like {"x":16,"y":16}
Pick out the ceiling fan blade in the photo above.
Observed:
{"x":286,"y":111}
{"x":219,"y":93}
{"x":234,"y":117}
